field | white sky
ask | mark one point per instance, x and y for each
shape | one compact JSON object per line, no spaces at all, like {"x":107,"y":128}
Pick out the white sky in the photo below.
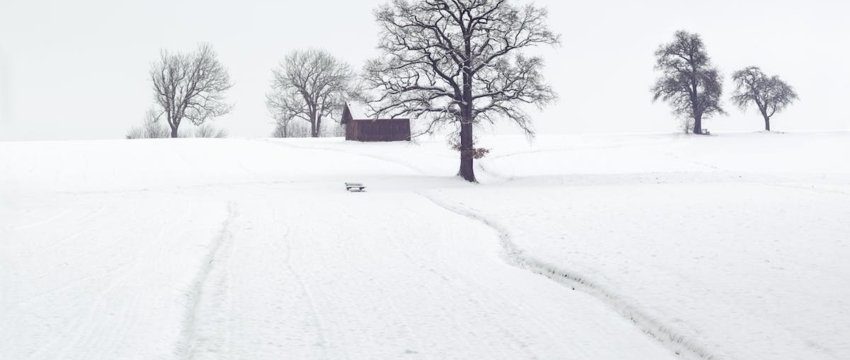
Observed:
{"x":79,"y":69}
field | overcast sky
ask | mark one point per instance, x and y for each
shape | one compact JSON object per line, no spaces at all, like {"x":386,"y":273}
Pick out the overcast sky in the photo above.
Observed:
{"x":79,"y":69}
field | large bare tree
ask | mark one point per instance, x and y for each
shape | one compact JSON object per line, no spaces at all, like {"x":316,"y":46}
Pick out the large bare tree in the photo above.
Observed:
{"x":689,"y":82}
{"x":770,"y":94}
{"x":309,"y":85}
{"x":459,"y":62}
{"x":190,"y":86}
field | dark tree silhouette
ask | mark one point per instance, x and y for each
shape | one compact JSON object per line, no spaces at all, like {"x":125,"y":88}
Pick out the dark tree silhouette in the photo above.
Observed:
{"x":458,"y":62}
{"x":309,"y":85}
{"x":190,"y":86}
{"x":770,"y":94}
{"x":688,"y":82}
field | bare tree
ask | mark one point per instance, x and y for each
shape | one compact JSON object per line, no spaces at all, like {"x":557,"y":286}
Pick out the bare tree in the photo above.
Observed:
{"x":190,"y":86}
{"x":770,"y":94}
{"x":283,"y":120}
{"x":459,"y":63}
{"x":309,"y":85}
{"x":209,"y":131}
{"x":689,"y":82}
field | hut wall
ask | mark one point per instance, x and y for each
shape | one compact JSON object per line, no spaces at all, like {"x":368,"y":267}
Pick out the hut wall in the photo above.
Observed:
{"x":378,"y":130}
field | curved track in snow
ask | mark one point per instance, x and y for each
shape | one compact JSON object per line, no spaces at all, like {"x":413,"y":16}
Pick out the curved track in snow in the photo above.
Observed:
{"x":251,"y":250}
{"x":514,"y":255}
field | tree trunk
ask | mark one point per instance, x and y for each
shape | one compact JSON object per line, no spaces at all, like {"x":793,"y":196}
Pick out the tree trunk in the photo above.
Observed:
{"x":313,"y":130}
{"x":467,"y":141}
{"x":318,"y":126}
{"x":467,"y":171}
{"x":694,"y":95}
{"x":174,"y":132}
{"x":698,"y":125}
{"x":767,"y":123}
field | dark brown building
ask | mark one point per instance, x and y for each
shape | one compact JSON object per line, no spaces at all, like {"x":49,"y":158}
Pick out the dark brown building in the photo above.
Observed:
{"x":374,"y":130}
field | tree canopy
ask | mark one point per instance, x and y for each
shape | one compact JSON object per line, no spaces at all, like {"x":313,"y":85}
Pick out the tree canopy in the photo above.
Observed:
{"x":459,"y":63}
{"x":769,"y":93}
{"x":689,"y":82}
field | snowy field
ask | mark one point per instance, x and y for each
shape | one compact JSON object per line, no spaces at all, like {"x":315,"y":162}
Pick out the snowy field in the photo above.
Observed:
{"x":575,"y":247}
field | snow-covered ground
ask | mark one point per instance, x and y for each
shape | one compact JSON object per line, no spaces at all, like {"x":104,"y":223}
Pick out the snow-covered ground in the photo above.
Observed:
{"x":576,"y":247}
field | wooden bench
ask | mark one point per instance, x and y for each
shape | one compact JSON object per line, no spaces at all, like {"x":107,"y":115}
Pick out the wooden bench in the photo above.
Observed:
{"x":354,"y":187}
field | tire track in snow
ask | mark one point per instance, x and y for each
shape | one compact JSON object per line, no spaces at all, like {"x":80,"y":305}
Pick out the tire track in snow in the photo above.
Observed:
{"x":204,"y":326}
{"x":321,"y":338}
{"x":43,"y":221}
{"x":84,"y":331}
{"x":515,"y":256}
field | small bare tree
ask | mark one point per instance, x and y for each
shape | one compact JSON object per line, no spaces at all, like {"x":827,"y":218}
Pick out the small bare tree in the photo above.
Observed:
{"x":459,"y":63}
{"x":309,"y":85}
{"x":280,"y":131}
{"x":151,"y":127}
{"x":688,"y":82}
{"x":190,"y":86}
{"x":770,"y":94}
{"x":302,"y":130}
{"x":209,"y":131}
{"x":283,"y":120}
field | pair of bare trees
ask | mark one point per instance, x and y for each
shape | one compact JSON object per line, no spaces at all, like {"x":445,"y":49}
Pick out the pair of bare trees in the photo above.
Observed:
{"x":693,"y":86}
{"x":453,"y":63}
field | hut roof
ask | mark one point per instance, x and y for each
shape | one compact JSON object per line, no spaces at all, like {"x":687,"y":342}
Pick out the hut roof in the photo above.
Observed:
{"x":346,"y":115}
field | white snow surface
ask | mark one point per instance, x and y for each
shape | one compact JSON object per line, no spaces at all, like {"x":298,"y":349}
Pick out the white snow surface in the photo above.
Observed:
{"x":572,"y":247}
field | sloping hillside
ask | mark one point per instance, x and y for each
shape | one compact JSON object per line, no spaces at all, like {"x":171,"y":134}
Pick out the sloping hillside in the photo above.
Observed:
{"x":589,"y":247}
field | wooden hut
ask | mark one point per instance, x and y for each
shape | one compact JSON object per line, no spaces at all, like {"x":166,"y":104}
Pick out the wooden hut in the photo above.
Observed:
{"x":374,"y":129}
